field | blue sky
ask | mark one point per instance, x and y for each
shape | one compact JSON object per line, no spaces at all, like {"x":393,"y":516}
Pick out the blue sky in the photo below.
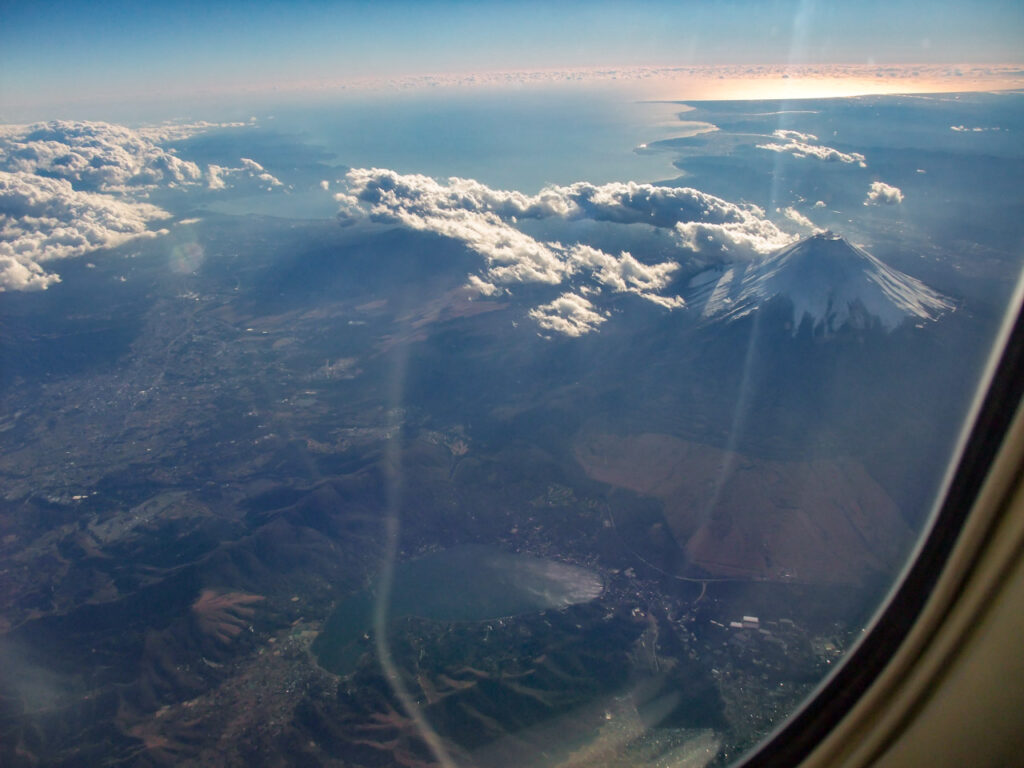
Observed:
{"x":54,"y":51}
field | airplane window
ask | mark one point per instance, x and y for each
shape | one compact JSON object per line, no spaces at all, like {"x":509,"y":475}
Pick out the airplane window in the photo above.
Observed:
{"x":488,"y":385}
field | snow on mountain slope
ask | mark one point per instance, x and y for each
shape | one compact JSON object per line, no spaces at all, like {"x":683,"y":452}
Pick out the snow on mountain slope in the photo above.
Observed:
{"x":827,"y":279}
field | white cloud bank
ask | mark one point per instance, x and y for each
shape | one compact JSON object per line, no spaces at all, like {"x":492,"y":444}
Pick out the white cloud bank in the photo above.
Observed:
{"x":881,"y":193}
{"x":486,"y":220}
{"x":69,"y":187}
{"x":95,"y":156}
{"x":799,"y":145}
{"x":45,"y":219}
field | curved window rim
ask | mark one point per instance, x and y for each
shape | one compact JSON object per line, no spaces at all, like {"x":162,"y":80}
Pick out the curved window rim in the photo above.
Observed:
{"x":972,"y":501}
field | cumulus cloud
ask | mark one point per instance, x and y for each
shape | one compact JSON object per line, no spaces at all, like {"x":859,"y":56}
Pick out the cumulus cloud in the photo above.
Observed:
{"x":388,"y":196}
{"x":799,"y":145}
{"x":625,"y":274}
{"x":44,"y":219}
{"x":68,"y":187}
{"x":257,"y":171}
{"x":569,"y":314}
{"x":798,"y":218}
{"x":795,"y":135}
{"x":751,"y":234}
{"x":420,"y":203}
{"x":881,"y":193}
{"x":115,"y":159}
{"x":489,"y":222}
{"x":217,"y":175}
{"x":696,"y":217}
{"x":94,"y":156}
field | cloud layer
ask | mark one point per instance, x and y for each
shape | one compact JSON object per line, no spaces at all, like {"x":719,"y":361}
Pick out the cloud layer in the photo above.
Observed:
{"x":488,"y":221}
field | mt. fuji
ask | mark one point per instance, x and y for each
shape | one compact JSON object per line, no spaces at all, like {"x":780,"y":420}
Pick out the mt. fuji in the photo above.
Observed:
{"x":828,"y":281}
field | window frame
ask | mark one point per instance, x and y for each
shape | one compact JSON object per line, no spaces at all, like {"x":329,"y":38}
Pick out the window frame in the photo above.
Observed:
{"x":870,"y":700}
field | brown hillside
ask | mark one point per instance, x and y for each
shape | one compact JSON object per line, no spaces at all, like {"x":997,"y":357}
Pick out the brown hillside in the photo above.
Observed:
{"x":824,"y":520}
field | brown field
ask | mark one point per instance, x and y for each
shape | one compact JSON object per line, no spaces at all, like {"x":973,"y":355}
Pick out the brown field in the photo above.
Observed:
{"x":821,"y":521}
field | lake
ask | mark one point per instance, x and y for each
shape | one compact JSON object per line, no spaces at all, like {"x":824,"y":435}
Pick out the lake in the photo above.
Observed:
{"x":466,"y":583}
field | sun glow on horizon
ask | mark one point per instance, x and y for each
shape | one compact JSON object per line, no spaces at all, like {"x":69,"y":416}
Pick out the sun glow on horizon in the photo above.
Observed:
{"x":63,"y":58}
{"x":769,"y":88}
{"x":698,"y":83}
{"x":671,"y":83}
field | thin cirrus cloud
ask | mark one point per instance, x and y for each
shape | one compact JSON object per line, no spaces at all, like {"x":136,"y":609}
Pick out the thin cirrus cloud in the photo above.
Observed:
{"x":881,"y":193}
{"x":488,"y":222}
{"x":70,"y":187}
{"x":800,"y":145}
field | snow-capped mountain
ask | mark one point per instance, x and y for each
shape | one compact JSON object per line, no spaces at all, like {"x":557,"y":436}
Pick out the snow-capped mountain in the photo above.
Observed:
{"x":826,"y":279}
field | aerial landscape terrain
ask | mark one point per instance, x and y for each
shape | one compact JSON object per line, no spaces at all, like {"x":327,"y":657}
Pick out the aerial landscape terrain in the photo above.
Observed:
{"x":588,"y":475}
{"x":570,"y":416}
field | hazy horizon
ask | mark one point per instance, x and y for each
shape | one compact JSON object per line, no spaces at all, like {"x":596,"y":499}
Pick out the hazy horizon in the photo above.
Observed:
{"x":71,"y":59}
